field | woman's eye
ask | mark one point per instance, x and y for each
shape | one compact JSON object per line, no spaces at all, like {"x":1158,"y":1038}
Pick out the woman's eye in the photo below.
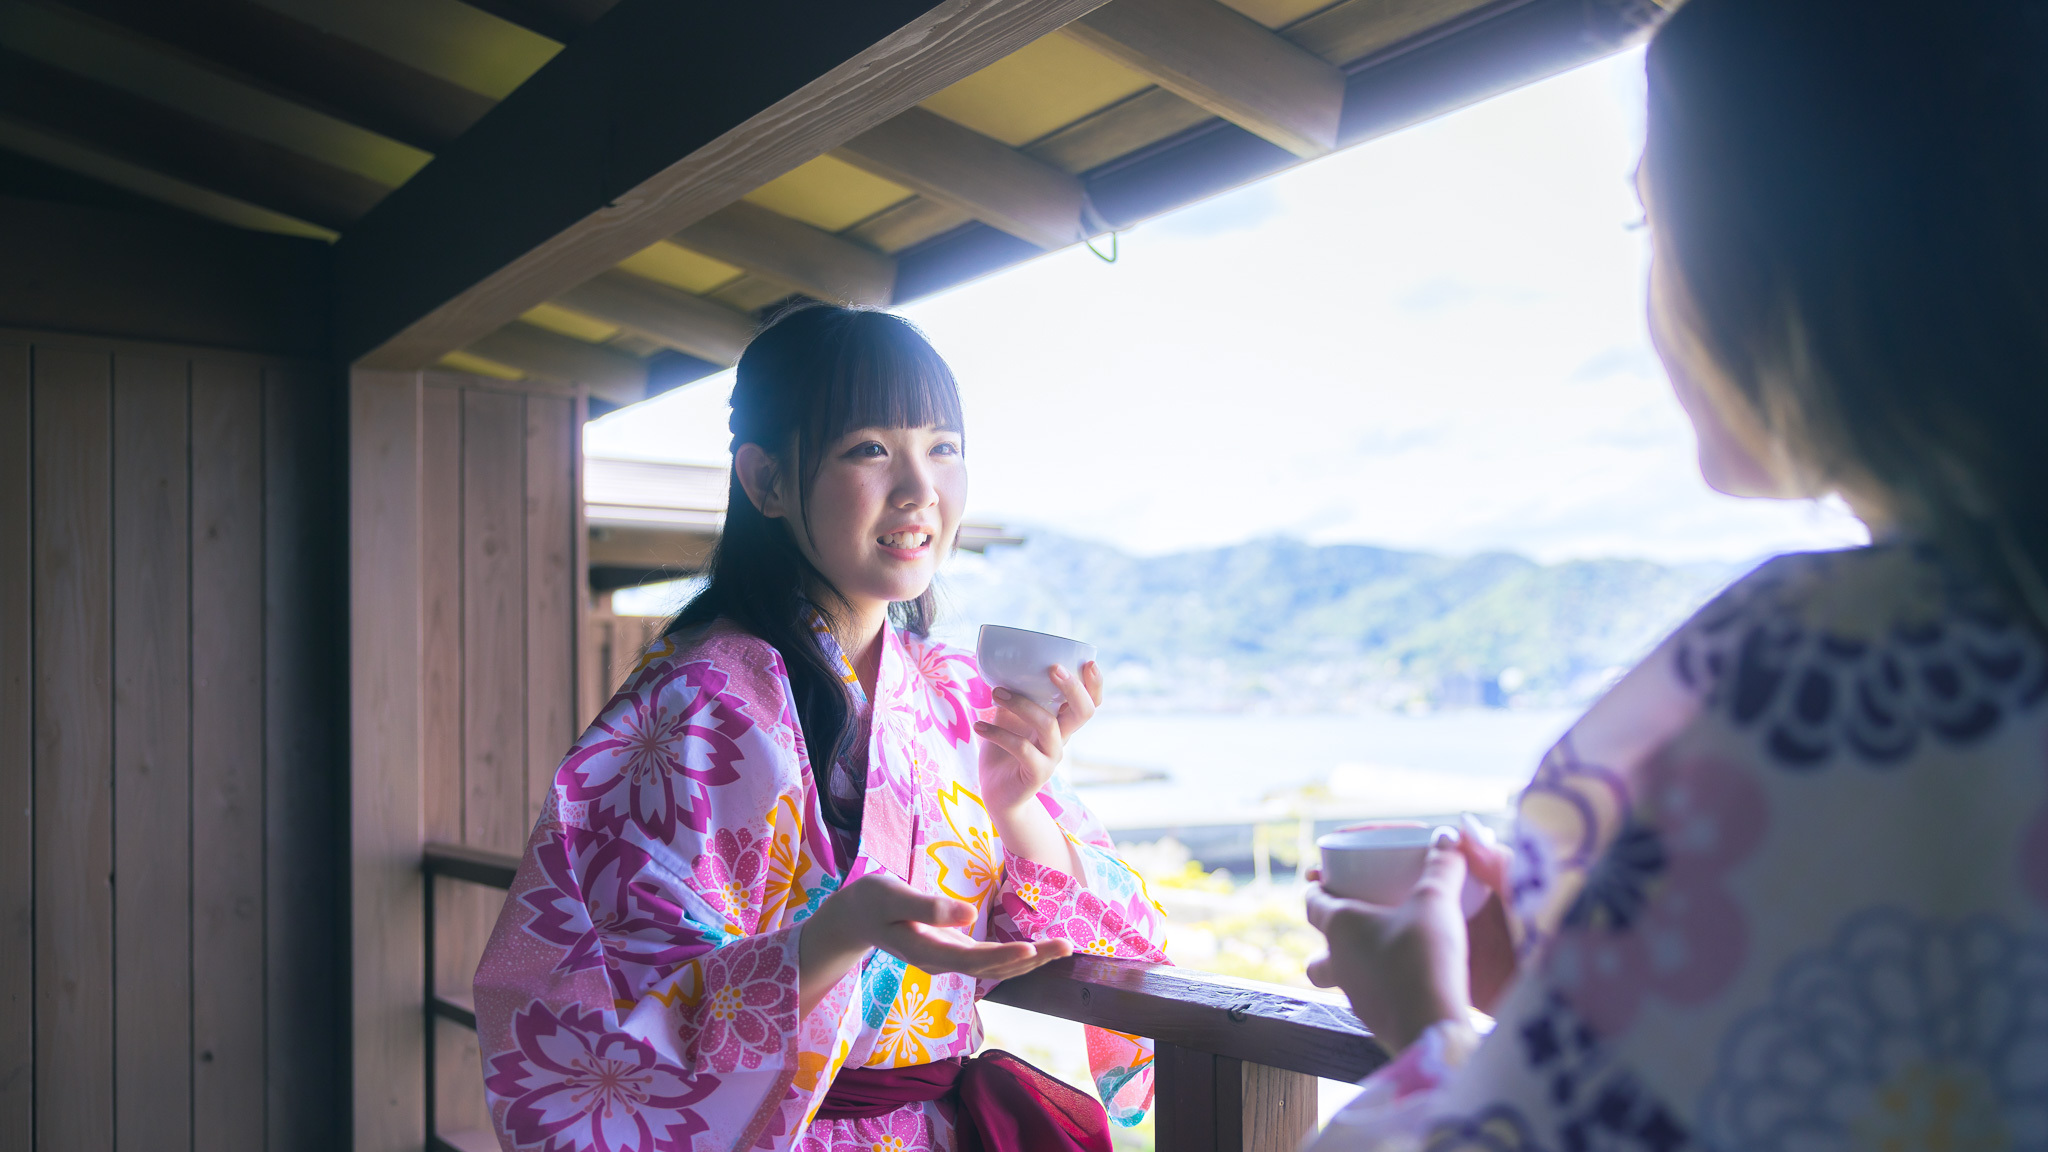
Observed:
{"x":869,"y":451}
{"x":945,"y":450}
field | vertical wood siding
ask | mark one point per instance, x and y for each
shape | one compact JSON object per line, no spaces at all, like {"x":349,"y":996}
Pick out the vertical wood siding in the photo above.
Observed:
{"x":495,"y":589}
{"x":161,"y":916}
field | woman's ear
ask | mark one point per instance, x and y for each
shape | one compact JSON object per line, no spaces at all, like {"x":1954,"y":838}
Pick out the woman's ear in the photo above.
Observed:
{"x":761,"y":476}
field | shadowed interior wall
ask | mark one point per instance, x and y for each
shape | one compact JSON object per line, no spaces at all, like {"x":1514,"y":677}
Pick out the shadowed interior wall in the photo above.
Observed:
{"x":172,"y":797}
{"x":468,"y":561}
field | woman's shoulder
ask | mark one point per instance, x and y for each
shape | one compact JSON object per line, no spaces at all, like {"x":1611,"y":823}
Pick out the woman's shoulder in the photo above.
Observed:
{"x":1864,"y":651}
{"x":745,"y":663}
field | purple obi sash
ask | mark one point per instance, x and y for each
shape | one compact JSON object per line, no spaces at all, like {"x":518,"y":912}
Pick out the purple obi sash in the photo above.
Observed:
{"x":1001,"y":1103}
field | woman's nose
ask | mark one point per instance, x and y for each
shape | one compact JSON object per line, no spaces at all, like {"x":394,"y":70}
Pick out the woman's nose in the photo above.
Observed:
{"x":915,"y":487}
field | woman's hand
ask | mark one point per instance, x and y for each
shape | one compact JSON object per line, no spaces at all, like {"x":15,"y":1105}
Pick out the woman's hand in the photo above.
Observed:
{"x":880,"y":911}
{"x":1025,"y":742}
{"x":1019,"y":751}
{"x":1403,"y":967}
{"x":1493,"y":961}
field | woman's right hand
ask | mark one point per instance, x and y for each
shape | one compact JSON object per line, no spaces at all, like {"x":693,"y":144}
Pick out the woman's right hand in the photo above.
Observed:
{"x":880,"y":911}
{"x":1492,"y":958}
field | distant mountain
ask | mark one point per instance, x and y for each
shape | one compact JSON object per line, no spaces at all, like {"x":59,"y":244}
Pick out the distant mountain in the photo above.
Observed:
{"x":1280,"y":624}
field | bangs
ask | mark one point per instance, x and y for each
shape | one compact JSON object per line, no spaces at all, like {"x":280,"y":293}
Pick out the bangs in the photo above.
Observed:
{"x":882,"y":373}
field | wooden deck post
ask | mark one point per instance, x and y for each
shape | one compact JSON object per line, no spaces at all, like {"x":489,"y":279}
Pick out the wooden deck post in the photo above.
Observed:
{"x":1210,"y":1103}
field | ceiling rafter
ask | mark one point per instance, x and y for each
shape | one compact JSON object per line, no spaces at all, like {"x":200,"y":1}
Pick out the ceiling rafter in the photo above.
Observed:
{"x":668,"y":316}
{"x":557,"y":359}
{"x":802,"y":258}
{"x":197,"y":151}
{"x":1227,"y":63}
{"x":267,"y":49}
{"x":611,"y":147}
{"x":987,"y":179}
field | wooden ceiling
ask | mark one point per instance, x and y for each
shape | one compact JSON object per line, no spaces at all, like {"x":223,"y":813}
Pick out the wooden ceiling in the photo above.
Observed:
{"x":972,"y":136}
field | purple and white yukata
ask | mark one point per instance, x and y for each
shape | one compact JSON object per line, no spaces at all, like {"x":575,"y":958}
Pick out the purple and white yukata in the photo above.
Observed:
{"x":1784,"y":889}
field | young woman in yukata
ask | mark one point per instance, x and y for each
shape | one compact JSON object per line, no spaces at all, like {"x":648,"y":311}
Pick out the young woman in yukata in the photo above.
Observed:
{"x":1786,"y":886}
{"x":772,"y":879}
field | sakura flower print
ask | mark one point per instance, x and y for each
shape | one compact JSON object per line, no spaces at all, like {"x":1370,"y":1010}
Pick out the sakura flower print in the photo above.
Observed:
{"x":641,"y":989}
{"x":1022,"y":660}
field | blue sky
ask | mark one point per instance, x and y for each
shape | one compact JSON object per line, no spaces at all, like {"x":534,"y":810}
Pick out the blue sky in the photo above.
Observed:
{"x":1431,"y":341}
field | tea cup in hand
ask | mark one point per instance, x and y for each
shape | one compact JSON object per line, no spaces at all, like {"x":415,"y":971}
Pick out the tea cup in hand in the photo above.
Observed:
{"x":1022,"y":661}
{"x":1381,"y":863}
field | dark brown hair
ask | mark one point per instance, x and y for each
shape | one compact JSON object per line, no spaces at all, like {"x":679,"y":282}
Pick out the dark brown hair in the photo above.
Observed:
{"x":814,"y":374}
{"x":1854,"y":197}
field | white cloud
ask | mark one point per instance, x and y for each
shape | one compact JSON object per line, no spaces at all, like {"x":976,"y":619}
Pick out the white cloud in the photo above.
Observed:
{"x":1431,"y":341}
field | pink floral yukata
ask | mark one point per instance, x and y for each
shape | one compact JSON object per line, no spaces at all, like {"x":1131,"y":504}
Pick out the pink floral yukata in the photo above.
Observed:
{"x":640,"y":991}
{"x":1785,"y":889}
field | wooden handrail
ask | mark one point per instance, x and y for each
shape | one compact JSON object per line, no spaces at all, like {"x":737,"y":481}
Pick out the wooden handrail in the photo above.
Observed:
{"x":1237,"y":1059}
{"x":476,"y":865}
{"x":1293,"y":1028}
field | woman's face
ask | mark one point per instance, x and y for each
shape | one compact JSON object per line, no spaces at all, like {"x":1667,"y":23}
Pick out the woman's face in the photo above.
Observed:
{"x":1737,"y":454}
{"x":882,"y":512}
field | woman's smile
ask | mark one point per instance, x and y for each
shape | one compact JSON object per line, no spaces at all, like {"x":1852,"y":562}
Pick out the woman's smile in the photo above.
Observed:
{"x":912,"y":543}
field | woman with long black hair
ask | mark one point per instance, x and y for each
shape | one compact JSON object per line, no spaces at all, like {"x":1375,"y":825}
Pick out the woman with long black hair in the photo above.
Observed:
{"x":1786,"y":886}
{"x":772,"y":879}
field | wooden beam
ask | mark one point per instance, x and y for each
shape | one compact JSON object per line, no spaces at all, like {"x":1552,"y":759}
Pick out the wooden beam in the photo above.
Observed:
{"x":984,"y":178}
{"x":191,"y":149}
{"x":1226,"y":62}
{"x":667,"y":315}
{"x":562,"y":360}
{"x":805,"y":259}
{"x":1356,"y":29}
{"x":611,"y":146}
{"x":267,"y":49}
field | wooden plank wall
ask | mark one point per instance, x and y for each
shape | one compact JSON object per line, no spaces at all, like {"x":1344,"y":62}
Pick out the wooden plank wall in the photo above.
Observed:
{"x":170,"y":974}
{"x":468,"y":561}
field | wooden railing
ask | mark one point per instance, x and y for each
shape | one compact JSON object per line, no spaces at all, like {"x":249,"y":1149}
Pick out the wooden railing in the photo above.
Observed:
{"x":1237,"y":1059}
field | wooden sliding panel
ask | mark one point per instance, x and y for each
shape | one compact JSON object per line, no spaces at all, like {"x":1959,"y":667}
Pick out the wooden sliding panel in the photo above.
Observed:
{"x":17,"y":756}
{"x":228,"y":853}
{"x":385,"y":745}
{"x":441,"y":612}
{"x":153,"y":696}
{"x":74,"y":1014}
{"x":306,"y":810}
{"x":494,"y":619}
{"x":553,"y":592}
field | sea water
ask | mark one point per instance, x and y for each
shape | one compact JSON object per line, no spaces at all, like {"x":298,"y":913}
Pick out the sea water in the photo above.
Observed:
{"x":1226,"y":768}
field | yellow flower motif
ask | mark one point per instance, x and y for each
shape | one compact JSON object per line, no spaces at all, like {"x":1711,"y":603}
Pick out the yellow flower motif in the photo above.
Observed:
{"x":968,"y":862}
{"x":1952,"y":1109}
{"x":661,"y":649}
{"x":684,"y":989}
{"x":1028,"y":893}
{"x":915,"y":1018}
{"x":1099,"y":947}
{"x":788,"y":864}
{"x":889,"y":1144}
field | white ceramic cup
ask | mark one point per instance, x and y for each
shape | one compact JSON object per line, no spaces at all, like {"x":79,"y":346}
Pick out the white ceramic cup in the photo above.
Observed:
{"x":1022,"y":660}
{"x":1381,"y":863}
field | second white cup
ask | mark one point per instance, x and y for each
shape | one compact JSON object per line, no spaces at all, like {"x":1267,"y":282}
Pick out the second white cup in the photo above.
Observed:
{"x":1381,"y":863}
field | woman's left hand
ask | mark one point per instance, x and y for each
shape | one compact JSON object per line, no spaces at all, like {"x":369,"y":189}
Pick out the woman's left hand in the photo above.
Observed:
{"x":1403,"y":967}
{"x":1023,"y":745}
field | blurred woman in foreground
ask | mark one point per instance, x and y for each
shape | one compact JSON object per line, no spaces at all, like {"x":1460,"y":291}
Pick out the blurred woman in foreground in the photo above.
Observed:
{"x":1786,"y":886}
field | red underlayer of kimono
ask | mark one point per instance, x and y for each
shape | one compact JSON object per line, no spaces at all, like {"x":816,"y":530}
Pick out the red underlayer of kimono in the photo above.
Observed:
{"x":999,"y":1103}
{"x":640,"y":991}
{"x":1784,"y":889}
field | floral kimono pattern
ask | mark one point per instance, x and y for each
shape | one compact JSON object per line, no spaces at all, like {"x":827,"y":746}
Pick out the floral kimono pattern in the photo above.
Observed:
{"x":639,"y":993}
{"x":1785,"y":887}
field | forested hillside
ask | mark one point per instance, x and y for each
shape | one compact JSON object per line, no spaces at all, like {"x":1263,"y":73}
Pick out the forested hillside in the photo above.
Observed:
{"x":1279,"y":624}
